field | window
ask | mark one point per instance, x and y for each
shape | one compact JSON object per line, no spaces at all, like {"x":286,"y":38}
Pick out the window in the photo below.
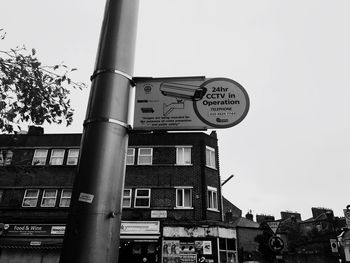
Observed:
{"x":142,"y":198}
{"x":130,"y":156}
{"x":212,"y":198}
{"x":39,"y":157}
{"x":145,"y":156}
{"x":227,"y":249}
{"x":65,"y":198}
{"x":72,"y":158}
{"x":210,"y":157}
{"x":183,"y":155}
{"x":6,"y":157}
{"x":49,"y":198}
{"x":1,"y":195}
{"x":30,"y":198}
{"x":183,"y":197}
{"x":127,"y":198}
{"x":57,"y":156}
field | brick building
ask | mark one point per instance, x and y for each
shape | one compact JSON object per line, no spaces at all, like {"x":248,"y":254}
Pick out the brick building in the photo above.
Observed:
{"x":172,"y":204}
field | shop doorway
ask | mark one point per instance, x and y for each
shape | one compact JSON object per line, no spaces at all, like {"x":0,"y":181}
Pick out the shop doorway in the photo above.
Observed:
{"x":138,"y":251}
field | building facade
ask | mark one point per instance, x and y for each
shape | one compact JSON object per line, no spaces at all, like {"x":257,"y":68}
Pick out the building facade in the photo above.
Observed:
{"x":172,"y":203}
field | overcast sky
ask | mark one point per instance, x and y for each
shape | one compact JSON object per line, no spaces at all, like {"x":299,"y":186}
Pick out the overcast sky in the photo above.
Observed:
{"x":292,"y":151}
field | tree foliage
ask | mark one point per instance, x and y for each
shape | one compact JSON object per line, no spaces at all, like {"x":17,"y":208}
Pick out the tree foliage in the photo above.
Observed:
{"x":31,"y":92}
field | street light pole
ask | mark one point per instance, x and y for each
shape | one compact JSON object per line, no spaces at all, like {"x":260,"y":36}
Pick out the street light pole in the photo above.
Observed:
{"x":93,"y":229}
{"x":228,"y":179}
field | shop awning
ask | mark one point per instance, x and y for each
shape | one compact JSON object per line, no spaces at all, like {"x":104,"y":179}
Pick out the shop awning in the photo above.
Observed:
{"x":155,"y":237}
{"x":31,"y":243}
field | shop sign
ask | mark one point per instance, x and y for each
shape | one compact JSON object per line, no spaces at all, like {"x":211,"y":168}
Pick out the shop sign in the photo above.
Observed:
{"x":34,"y":230}
{"x":188,"y":258}
{"x":159,"y":214}
{"x":203,"y":247}
{"x":139,"y":227}
{"x":188,"y":103}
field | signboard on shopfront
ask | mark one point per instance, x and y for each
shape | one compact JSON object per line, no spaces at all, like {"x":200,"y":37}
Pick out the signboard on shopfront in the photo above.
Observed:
{"x":188,"y":103}
{"x":139,"y":227}
{"x":34,"y":230}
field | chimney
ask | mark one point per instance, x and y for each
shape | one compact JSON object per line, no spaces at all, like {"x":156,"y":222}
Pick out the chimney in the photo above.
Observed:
{"x":228,"y":216}
{"x":249,"y":216}
{"x":35,"y":130}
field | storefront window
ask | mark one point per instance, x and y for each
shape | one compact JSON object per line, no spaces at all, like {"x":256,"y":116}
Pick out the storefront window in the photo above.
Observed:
{"x":227,"y":250}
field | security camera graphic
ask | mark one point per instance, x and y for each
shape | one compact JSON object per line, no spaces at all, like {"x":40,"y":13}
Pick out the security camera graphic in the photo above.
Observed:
{"x":180,"y":92}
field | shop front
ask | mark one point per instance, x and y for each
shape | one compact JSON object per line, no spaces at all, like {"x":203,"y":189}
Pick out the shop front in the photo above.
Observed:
{"x":210,"y":244}
{"x":31,"y":243}
{"x":139,"y":241}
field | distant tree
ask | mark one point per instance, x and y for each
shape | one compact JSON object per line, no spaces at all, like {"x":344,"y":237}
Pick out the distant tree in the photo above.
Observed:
{"x":263,"y":241}
{"x":31,"y":92}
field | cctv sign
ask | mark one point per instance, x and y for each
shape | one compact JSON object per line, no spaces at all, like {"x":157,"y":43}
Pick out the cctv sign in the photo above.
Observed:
{"x":188,"y":103}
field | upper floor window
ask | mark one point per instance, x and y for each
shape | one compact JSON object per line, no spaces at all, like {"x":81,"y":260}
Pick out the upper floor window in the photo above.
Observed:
{"x":142,"y":198}
{"x":49,"y":198}
{"x":184,"y":197}
{"x":130,"y":156}
{"x":39,"y":157}
{"x":145,"y":156}
{"x":30,"y":198}
{"x":57,"y":156}
{"x":66,"y":195}
{"x":72,"y":158}
{"x":6,"y":157}
{"x":183,"y":155}
{"x":212,"y":198}
{"x":210,"y":157}
{"x":127,"y":198}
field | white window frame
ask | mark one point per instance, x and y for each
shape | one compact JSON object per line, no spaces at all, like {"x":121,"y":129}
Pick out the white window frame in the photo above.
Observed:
{"x":42,"y":159}
{"x":180,"y":191}
{"x":130,"y":158}
{"x":73,"y":155}
{"x":25,"y":197}
{"x":57,"y":156}
{"x":180,"y":155}
{"x":210,"y":157}
{"x":212,"y":199}
{"x":48,"y":197}
{"x":142,"y":197}
{"x":127,"y":197}
{"x":227,"y":251}
{"x":65,"y":197}
{"x":145,"y":155}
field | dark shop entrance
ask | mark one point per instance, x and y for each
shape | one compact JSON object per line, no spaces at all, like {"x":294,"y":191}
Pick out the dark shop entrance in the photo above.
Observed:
{"x":139,"y":251}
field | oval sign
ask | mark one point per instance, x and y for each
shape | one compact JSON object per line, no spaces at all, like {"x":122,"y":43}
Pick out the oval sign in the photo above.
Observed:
{"x":225,"y":103}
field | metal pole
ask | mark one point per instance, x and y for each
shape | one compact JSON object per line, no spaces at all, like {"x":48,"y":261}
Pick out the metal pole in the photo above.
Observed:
{"x":228,"y":179}
{"x":93,"y":229}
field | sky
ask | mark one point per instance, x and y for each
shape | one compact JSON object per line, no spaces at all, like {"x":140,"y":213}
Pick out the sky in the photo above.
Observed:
{"x":292,"y":151}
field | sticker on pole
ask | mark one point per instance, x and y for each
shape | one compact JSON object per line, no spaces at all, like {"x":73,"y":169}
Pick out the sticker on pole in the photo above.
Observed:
{"x":86,"y":198}
{"x":188,"y":103}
